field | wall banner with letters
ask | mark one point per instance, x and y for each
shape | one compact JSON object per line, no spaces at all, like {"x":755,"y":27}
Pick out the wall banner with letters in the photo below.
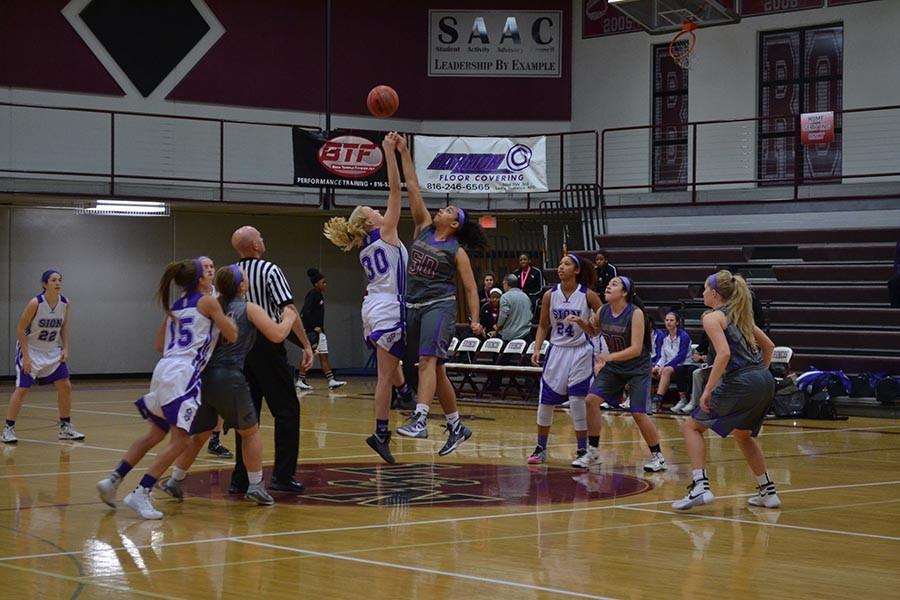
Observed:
{"x":481,"y":165}
{"x":347,"y":159}
{"x":495,"y":43}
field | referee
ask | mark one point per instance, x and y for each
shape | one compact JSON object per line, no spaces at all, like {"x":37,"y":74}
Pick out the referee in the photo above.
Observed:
{"x":266,"y":368}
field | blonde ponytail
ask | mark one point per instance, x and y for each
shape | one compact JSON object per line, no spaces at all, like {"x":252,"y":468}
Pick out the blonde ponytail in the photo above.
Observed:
{"x":349,"y":233}
{"x":739,"y":302}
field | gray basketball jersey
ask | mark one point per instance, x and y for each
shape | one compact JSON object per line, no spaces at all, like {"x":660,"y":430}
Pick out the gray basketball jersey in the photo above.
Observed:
{"x":616,"y":331}
{"x":742,"y":354}
{"x":229,"y":354}
{"x":431,"y":268}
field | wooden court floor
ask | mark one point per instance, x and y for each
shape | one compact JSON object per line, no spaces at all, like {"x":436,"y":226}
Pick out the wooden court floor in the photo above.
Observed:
{"x":476,"y":524}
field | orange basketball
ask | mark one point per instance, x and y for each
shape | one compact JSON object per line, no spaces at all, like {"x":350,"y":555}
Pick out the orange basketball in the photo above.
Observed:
{"x":383,"y":101}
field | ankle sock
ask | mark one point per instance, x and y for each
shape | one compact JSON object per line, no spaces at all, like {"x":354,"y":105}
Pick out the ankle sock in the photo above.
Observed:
{"x":422,"y":409}
{"x":10,"y":423}
{"x":178,"y":474}
{"x":654,"y":448}
{"x":381,"y":427}
{"x":254,"y":477}
{"x":329,"y":375}
{"x":594,"y":441}
{"x":581,"y":443}
{"x":453,"y":419}
{"x":123,"y":469}
{"x":66,"y":420}
{"x":542,"y":441}
{"x":148,"y":481}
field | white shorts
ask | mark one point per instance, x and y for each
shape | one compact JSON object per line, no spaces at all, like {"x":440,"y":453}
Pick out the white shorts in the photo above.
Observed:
{"x":174,"y":395}
{"x":383,"y":323}
{"x":568,"y":371}
{"x":322,"y":344}
{"x":46,"y":367}
{"x":599,"y":343}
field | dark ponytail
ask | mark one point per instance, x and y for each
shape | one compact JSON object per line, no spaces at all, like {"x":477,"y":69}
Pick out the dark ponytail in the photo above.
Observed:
{"x":634,"y":299}
{"x":185,"y":274}
{"x":227,"y":284}
{"x":471,"y":235}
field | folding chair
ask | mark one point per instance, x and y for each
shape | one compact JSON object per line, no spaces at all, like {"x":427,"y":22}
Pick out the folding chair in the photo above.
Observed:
{"x":483,"y":365}
{"x":459,"y":363}
{"x":510,"y":362}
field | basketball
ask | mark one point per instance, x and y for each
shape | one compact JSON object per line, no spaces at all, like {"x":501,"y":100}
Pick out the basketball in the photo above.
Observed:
{"x":383,"y":101}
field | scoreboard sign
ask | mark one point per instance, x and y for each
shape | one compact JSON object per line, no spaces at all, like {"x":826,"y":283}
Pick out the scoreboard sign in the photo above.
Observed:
{"x":600,"y":18}
{"x":755,"y":8}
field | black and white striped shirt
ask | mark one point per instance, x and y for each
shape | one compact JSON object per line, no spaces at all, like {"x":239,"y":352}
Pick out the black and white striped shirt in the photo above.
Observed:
{"x":267,"y":286}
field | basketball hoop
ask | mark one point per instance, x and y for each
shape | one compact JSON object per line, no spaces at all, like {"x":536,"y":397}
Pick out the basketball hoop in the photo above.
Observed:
{"x":681,"y":48}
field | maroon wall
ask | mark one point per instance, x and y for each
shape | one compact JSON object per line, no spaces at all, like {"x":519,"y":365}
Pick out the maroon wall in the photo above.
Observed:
{"x":272,"y":56}
{"x":276,"y":59}
{"x":40,"y":50}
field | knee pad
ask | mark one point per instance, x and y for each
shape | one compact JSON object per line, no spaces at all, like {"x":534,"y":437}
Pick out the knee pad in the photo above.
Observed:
{"x":545,"y":415}
{"x":578,"y":410}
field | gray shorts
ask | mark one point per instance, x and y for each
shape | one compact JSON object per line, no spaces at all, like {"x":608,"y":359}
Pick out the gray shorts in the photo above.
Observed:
{"x":739,"y":402}
{"x":610,"y":384}
{"x":225,"y":394}
{"x":429,"y":329}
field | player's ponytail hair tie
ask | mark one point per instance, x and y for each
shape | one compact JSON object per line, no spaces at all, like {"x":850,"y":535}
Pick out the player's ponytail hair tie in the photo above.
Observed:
{"x":46,"y":275}
{"x":460,"y":216}
{"x":626,"y":283}
{"x":238,"y":277}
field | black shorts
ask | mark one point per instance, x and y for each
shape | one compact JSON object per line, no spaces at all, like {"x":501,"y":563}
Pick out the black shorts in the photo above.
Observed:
{"x":225,"y":394}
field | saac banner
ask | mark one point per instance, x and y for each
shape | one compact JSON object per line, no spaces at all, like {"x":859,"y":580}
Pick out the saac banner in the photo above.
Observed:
{"x":481,"y":165}
{"x":347,"y":159}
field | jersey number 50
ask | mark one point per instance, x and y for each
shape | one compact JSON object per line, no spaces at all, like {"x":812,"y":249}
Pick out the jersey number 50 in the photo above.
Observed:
{"x":423,"y":265}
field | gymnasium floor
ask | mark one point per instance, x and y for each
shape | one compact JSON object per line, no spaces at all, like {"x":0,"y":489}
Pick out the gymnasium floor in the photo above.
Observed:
{"x":478,"y":523}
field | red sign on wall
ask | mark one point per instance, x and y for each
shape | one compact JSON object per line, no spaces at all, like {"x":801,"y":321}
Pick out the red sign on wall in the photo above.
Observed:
{"x":843,"y":2}
{"x":816,"y":128}
{"x":755,"y":8}
{"x":599,"y":18}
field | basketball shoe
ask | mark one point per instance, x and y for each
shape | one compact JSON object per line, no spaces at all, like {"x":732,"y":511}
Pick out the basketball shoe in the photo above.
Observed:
{"x":107,"y":488}
{"x":538,"y":457}
{"x":456,"y":435}
{"x":415,"y":427}
{"x":139,"y":501}
{"x":765,"y":496}
{"x":698,"y":495}
{"x":586,"y":458}
{"x":67,"y":432}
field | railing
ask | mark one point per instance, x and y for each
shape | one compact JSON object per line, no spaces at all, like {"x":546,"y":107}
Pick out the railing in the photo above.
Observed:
{"x":92,"y":152}
{"x":723,"y":161}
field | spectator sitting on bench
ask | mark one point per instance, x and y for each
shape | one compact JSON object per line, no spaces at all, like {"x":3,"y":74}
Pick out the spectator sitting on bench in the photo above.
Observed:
{"x":672,"y":359}
{"x":605,"y":273}
{"x":487,"y":284}
{"x":490,"y":311}
{"x":698,"y":377}
{"x":514,"y":321}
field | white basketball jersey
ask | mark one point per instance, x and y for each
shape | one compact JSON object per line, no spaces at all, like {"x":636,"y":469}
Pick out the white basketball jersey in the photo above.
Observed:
{"x":568,"y":334}
{"x":191,"y":336}
{"x":46,"y":327}
{"x":384,"y":265}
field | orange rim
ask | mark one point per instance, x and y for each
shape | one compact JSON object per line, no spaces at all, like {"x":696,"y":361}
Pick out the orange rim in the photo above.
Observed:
{"x":686,"y":35}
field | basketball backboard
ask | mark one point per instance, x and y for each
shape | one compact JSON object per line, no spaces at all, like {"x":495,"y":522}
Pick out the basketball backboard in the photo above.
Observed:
{"x":666,"y":16}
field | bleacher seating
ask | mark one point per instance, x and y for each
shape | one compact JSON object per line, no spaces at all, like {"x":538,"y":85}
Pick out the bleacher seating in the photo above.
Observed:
{"x":824,"y":290}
